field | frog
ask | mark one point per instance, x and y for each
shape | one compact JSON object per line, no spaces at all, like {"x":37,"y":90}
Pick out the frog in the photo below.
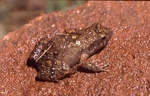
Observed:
{"x":64,"y":54}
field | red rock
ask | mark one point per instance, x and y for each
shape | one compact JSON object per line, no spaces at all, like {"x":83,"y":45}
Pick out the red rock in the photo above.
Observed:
{"x":128,"y":52}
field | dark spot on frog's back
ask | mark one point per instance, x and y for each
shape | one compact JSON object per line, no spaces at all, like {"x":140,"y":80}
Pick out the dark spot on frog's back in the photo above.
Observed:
{"x":64,"y":54}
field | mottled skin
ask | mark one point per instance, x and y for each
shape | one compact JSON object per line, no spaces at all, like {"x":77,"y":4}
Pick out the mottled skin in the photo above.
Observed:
{"x":63,"y":54}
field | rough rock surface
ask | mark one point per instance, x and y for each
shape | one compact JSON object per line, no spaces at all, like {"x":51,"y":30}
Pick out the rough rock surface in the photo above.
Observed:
{"x":128,"y":52}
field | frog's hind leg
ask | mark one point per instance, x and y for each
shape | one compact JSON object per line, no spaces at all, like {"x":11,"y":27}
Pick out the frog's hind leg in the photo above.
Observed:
{"x":93,"y":67}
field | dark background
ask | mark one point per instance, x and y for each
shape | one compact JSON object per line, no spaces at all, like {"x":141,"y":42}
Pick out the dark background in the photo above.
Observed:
{"x":15,"y":13}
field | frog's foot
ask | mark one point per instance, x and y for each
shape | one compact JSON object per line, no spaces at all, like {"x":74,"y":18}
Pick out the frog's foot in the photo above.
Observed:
{"x":94,"y":67}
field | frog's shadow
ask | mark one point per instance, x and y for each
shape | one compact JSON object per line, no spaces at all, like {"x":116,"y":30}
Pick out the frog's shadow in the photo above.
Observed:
{"x":83,"y":70}
{"x":32,"y":64}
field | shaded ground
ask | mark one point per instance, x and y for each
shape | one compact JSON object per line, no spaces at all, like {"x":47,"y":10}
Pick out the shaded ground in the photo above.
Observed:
{"x":128,"y":52}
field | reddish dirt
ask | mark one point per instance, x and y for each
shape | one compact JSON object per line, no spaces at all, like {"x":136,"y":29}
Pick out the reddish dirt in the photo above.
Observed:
{"x":128,"y":52}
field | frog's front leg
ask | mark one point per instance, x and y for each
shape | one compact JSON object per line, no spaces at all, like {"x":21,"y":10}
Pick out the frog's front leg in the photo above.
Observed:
{"x":91,"y":66}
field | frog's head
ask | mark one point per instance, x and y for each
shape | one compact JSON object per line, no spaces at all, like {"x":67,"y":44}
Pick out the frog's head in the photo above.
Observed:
{"x":101,"y":36}
{"x":102,"y":32}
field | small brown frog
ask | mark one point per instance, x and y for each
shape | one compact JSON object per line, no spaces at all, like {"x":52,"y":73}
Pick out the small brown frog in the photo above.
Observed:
{"x":64,"y":54}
